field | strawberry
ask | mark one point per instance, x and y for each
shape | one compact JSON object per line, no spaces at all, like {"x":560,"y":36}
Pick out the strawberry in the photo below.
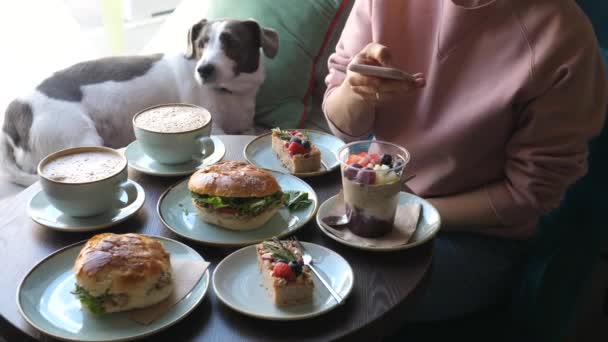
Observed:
{"x":296,"y":148}
{"x":352,"y":159}
{"x":282,"y":270}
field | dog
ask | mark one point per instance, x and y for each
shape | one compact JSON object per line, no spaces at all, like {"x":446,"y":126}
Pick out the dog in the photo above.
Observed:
{"x":92,"y":103}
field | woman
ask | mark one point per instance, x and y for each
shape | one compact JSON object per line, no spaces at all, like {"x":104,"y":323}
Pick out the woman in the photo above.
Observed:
{"x":506,"y":97}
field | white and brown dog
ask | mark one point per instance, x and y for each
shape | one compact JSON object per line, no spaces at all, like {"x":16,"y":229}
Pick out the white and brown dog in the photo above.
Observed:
{"x":92,"y":103}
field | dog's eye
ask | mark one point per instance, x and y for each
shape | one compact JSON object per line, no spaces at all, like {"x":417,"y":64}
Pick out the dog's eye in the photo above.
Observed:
{"x":228,"y":40}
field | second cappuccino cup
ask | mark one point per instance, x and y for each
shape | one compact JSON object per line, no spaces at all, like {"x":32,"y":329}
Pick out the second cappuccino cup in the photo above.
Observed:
{"x":174,"y":133}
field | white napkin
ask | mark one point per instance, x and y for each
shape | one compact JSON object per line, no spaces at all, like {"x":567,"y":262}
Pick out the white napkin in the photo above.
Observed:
{"x":406,"y":220}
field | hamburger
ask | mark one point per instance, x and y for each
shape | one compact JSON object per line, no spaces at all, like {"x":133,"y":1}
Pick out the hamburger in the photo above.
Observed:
{"x":122,"y":272}
{"x":235,"y":195}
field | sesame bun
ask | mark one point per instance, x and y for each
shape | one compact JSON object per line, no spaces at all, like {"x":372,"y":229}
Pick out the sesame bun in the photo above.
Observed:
{"x":234,"y":222}
{"x":233,"y":179}
{"x":130,"y":270}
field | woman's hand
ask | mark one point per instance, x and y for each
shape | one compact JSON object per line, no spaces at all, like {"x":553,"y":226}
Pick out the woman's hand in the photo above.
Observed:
{"x":376,"y":89}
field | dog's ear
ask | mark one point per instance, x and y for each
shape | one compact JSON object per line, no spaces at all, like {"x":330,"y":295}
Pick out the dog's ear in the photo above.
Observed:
{"x":193,"y":35}
{"x":269,"y":38}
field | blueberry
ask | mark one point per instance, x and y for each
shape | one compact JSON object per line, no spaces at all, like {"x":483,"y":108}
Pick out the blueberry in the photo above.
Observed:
{"x":306,"y":144}
{"x":387,"y":159}
{"x":296,"y":140}
{"x":295,"y":267}
{"x":398,"y":165}
{"x":357,"y":166}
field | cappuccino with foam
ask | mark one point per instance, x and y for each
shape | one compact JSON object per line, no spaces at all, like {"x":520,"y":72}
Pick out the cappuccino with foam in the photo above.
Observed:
{"x":172,"y":119}
{"x":83,"y":167}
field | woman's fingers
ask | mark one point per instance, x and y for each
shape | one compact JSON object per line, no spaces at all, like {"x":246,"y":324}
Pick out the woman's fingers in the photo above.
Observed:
{"x":384,"y":85}
{"x":357,"y":79}
{"x":377,"y":52}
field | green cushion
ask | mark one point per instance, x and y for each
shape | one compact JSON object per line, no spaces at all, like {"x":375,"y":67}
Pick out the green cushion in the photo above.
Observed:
{"x":303,"y":27}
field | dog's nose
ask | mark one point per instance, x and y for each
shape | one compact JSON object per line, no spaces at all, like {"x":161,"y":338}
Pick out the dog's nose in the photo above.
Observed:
{"x":206,"y":70}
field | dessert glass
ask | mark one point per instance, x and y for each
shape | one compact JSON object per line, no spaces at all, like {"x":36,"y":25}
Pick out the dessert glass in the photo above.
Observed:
{"x":371,"y":196}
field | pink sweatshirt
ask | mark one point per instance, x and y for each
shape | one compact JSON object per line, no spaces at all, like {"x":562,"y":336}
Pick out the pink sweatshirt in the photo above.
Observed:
{"x":515,"y":89}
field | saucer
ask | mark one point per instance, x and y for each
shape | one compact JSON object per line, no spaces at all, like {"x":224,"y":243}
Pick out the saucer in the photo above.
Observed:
{"x":259,"y":153}
{"x":42,"y":212}
{"x":427,"y":227}
{"x":139,"y":161}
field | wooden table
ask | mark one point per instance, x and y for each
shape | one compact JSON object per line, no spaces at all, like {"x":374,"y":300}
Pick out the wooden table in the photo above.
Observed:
{"x":382,"y":280}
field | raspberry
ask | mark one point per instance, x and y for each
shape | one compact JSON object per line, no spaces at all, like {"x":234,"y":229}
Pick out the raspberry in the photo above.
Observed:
{"x":282,"y":270}
{"x":375,"y":158}
{"x":296,"y":148}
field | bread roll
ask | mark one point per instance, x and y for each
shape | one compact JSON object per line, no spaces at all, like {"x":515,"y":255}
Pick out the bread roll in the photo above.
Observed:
{"x":122,"y":272}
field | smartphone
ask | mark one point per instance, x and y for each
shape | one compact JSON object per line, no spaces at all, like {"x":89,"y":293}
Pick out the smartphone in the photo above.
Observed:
{"x":382,"y":72}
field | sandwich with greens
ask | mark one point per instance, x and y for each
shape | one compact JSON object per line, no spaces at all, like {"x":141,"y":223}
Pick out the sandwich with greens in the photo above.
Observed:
{"x":236,"y":195}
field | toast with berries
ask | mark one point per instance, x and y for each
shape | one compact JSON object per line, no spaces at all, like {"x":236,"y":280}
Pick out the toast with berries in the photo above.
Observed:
{"x":296,"y":151}
{"x":285,"y":277}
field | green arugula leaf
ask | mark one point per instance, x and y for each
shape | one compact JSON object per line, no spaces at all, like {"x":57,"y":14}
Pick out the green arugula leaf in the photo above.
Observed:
{"x":284,"y":135}
{"x":297,"y":199}
{"x":94,"y":304}
{"x":278,"y":251}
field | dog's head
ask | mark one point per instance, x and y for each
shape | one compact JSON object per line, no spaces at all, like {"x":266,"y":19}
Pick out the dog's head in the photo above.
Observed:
{"x":226,"y":49}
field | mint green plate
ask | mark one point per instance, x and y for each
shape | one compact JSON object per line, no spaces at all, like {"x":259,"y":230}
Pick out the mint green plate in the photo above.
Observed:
{"x":237,"y":282}
{"x":427,"y":227}
{"x":259,"y":152}
{"x":45,"y":301}
{"x":42,"y":212}
{"x":177,"y":212}
{"x":140,"y":161}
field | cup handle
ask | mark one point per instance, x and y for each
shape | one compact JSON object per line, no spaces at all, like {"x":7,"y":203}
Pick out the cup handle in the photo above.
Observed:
{"x":207,"y":148}
{"x":129,"y":187}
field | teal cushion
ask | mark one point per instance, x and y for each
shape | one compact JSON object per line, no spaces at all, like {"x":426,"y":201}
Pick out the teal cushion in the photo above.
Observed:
{"x":597,"y":11}
{"x":303,"y":27}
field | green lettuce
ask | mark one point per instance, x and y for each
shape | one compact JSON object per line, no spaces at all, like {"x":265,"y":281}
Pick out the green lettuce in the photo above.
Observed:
{"x":246,"y":206}
{"x":252,"y":206}
{"x":94,"y":304}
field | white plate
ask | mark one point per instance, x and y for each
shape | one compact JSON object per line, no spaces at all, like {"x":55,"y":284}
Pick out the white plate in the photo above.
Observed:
{"x":428,"y":223}
{"x":45,"y":300}
{"x":259,"y":152}
{"x":237,"y":282}
{"x":43,"y":212}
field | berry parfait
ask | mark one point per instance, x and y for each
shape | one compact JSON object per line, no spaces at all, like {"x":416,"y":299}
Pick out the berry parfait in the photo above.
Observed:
{"x":371,"y":182}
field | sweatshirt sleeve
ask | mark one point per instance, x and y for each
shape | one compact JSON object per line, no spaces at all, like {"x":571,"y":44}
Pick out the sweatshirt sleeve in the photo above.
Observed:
{"x":547,"y":151}
{"x":357,"y":33}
